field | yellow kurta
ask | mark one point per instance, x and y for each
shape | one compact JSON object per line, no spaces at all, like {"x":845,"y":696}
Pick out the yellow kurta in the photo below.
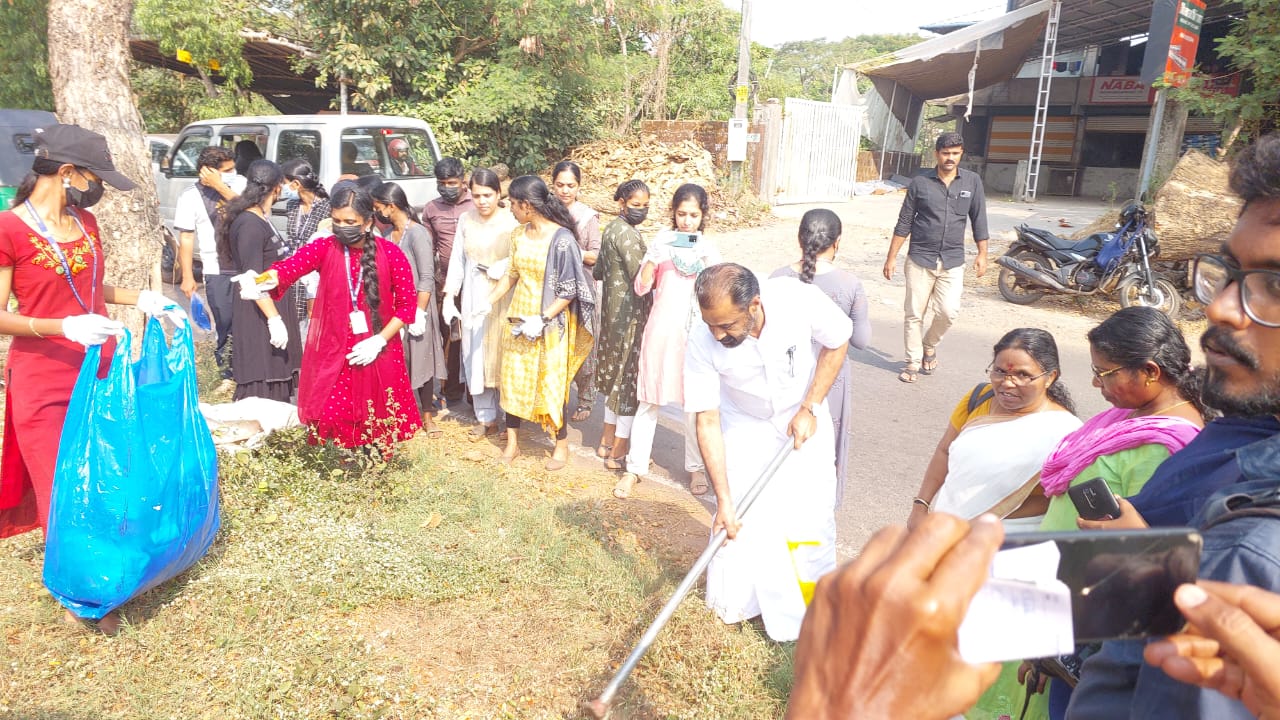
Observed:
{"x":536,"y":374}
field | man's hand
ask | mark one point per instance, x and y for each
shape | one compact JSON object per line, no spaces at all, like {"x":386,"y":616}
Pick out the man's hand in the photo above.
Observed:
{"x":887,"y":620}
{"x":1232,"y":644}
{"x":980,"y":264}
{"x":1130,"y":519}
{"x":726,"y":518}
{"x":890,"y":265}
{"x":188,"y":285}
{"x":211,"y":178}
{"x":802,"y":426}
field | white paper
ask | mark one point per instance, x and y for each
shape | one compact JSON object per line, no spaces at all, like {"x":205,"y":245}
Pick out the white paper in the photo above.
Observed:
{"x":1023,"y":610}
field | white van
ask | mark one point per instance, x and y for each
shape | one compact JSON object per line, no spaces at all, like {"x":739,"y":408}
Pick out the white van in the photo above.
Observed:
{"x":321,"y":139}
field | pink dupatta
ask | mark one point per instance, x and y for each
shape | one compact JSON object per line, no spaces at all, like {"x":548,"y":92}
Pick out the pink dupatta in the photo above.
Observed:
{"x":1108,"y":432}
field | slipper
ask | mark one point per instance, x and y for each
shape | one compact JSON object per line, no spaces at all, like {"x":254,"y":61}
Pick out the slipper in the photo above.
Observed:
{"x":929,"y":364}
{"x":602,"y":451}
{"x":503,"y":459}
{"x":552,"y":464}
{"x":907,"y":376}
{"x":698,"y":483}
{"x":435,"y":434}
{"x":612,"y":463}
{"x":581,"y":414}
{"x":626,"y":483}
{"x":481,"y":432}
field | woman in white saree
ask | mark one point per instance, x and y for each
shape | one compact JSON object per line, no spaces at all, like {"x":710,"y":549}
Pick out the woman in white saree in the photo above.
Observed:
{"x":990,"y":456}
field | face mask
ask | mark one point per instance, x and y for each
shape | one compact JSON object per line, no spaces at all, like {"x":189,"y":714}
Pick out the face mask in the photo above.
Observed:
{"x":635,"y":216}
{"x":289,"y":193}
{"x":84,"y":198}
{"x":382,"y":218}
{"x":228,"y":178}
{"x":450,"y":194}
{"x":348,"y":234}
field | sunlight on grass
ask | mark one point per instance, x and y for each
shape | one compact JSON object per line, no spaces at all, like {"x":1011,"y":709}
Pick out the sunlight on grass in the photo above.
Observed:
{"x":433,"y":588}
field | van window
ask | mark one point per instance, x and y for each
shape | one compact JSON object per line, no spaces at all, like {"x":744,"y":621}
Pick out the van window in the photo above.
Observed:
{"x":187,"y":154}
{"x":24,"y":143}
{"x":392,"y":153}
{"x":299,"y":144}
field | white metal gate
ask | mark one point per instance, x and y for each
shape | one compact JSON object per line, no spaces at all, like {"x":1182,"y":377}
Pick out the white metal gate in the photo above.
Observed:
{"x":818,"y":153}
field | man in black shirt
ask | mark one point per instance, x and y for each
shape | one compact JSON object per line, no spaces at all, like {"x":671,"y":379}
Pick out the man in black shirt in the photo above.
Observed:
{"x":933,"y":215}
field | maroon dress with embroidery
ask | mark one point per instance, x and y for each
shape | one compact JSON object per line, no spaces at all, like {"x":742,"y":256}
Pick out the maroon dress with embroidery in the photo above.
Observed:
{"x":353,"y":405}
{"x":40,"y":372}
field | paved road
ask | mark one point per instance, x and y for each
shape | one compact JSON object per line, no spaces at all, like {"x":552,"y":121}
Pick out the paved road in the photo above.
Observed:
{"x":897,"y":425}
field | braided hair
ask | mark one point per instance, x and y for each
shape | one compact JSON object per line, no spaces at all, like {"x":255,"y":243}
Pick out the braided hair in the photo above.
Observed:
{"x":531,"y":189}
{"x":629,"y":188}
{"x":819,"y":230}
{"x":300,"y":169}
{"x":351,"y":195}
{"x":263,"y":177}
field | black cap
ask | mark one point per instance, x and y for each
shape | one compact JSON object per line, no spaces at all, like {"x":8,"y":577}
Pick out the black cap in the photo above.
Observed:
{"x":72,"y":144}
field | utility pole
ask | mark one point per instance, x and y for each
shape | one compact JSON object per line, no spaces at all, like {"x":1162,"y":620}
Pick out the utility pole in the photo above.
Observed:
{"x":737,"y":150}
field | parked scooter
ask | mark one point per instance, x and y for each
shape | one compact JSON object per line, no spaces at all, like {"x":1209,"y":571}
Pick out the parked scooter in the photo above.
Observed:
{"x":1119,"y":262}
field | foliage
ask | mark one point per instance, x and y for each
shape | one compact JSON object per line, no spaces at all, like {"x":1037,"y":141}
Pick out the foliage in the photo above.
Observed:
{"x":1252,"y":46}
{"x":170,"y":100}
{"x":805,"y":69}
{"x":24,"y":55}
{"x":704,"y":65}
{"x":211,"y":39}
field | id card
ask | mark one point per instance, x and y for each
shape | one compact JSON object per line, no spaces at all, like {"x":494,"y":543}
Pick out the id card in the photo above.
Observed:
{"x":359,"y":325}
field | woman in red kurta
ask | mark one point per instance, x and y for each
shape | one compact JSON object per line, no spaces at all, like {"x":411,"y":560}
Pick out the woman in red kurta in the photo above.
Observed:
{"x":51,"y":260}
{"x":354,"y":386}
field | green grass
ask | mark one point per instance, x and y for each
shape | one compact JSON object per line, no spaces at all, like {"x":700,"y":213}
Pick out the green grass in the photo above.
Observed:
{"x":432,"y":588}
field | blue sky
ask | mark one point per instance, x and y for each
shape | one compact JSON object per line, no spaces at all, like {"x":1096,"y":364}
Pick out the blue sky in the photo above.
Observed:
{"x":777,"y":21}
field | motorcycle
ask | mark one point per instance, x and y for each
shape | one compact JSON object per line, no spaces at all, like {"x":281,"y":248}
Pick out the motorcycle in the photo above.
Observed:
{"x":1119,"y":262}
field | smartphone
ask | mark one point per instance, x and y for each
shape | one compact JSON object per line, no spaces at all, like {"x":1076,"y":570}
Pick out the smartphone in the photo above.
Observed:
{"x":1094,"y":500}
{"x":685,"y":239}
{"x":1122,"y":581}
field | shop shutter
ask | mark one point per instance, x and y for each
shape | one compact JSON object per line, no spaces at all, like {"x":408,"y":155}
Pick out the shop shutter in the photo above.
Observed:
{"x":1011,"y":139}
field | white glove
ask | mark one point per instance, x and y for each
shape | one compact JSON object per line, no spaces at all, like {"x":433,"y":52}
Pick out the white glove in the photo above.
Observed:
{"x":250,"y":288}
{"x":419,"y":325}
{"x":498,"y":270}
{"x":279,"y":333}
{"x":449,"y":311}
{"x":90,"y":330}
{"x":531,"y":326}
{"x":366,"y":351}
{"x":153,"y":303}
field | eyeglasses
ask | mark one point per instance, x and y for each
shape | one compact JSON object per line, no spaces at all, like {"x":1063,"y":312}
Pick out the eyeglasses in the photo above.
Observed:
{"x":1259,"y":289}
{"x":1102,"y":374}
{"x":1019,"y":379}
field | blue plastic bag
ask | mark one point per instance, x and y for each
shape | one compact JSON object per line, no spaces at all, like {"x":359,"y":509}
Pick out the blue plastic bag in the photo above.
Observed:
{"x":135,"y":488}
{"x":200,"y":313}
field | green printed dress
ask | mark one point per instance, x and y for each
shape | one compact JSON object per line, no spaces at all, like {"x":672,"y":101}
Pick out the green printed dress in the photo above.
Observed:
{"x":622,"y":316}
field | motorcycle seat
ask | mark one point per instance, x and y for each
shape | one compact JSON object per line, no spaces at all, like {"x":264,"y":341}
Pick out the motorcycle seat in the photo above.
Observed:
{"x":1086,"y":246}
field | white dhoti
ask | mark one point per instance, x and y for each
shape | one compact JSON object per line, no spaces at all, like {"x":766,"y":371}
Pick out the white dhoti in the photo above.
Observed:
{"x":788,"y":536}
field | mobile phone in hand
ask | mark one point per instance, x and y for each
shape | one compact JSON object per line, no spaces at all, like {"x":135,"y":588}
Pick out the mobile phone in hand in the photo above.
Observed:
{"x":1094,"y":500}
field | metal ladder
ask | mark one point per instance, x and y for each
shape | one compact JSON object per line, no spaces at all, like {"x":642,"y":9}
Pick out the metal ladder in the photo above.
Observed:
{"x":1042,"y":102}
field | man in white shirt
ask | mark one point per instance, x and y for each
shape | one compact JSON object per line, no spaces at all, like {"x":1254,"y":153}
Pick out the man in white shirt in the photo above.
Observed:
{"x":755,"y":382}
{"x":196,"y":216}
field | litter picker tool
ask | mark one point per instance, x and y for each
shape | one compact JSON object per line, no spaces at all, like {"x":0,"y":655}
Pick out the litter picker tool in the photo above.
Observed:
{"x":600,"y":706}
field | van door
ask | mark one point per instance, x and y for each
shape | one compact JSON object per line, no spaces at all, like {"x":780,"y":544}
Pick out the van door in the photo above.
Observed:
{"x":181,"y":172}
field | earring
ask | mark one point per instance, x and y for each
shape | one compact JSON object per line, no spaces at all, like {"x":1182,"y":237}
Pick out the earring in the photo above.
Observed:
{"x":1149,"y":381}
{"x":66,"y":182}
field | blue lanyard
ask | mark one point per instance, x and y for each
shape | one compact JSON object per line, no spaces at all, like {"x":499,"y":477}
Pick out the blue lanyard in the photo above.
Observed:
{"x":354,"y":289}
{"x":62,"y":257}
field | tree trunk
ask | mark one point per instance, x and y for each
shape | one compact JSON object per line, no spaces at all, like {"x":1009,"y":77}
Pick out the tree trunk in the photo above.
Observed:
{"x":666,"y":39}
{"x":89,"y":70}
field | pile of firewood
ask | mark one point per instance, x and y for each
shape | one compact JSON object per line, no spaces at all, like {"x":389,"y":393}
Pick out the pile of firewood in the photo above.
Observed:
{"x":1195,"y":209}
{"x":606,"y":164}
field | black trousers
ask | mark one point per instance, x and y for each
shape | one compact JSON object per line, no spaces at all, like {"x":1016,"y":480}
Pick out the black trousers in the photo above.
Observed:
{"x":513,"y":423}
{"x":452,"y":386}
{"x":218,"y":291}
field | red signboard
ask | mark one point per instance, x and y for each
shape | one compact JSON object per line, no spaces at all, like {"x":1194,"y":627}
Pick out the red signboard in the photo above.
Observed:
{"x":1183,"y":42}
{"x":1172,"y":39}
{"x":1121,"y":90}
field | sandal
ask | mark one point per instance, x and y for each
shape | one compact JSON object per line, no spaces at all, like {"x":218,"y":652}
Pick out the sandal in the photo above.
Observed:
{"x":626,"y":483}
{"x":602,"y":450}
{"x":907,"y":376}
{"x":613,"y":463}
{"x":481,"y":432}
{"x":582,"y":413}
{"x":698,"y":483}
{"x":552,"y":464}
{"x":929,"y":364}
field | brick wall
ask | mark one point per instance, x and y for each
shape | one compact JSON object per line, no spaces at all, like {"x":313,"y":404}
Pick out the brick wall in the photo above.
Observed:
{"x":714,"y":136}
